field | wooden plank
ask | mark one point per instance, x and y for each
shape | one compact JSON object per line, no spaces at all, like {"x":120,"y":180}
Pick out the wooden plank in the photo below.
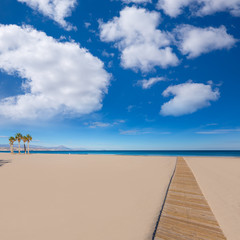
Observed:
{"x":186,"y":214}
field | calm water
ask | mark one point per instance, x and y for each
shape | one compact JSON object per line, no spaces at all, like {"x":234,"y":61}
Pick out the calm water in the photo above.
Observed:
{"x":151,"y":153}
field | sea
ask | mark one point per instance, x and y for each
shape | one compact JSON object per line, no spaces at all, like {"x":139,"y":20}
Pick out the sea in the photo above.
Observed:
{"x":197,"y":153}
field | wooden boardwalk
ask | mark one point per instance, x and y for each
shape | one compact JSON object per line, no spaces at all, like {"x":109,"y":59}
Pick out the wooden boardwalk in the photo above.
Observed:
{"x":186,"y":214}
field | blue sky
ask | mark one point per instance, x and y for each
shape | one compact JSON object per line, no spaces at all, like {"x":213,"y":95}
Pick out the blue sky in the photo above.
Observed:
{"x":115,"y":74}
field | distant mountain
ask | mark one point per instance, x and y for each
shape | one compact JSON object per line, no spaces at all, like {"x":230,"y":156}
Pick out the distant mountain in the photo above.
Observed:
{"x":36,"y":147}
{"x":33,"y":147}
{"x":61,"y":147}
{"x":6,"y":147}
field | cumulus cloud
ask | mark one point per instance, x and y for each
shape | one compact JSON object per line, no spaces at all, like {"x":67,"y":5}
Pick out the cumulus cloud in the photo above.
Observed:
{"x":148,"y":83}
{"x":212,"y":6}
{"x":194,"y":41}
{"x":141,"y":44}
{"x":60,"y":77}
{"x":57,"y":10}
{"x":188,"y":98}
{"x":174,"y":8}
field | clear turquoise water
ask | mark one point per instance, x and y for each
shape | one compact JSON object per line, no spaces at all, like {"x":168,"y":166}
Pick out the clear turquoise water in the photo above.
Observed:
{"x":151,"y":153}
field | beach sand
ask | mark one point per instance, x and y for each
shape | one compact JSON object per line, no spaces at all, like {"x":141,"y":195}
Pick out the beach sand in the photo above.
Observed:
{"x":219,"y":180}
{"x":81,"y":197}
{"x":108,"y":197}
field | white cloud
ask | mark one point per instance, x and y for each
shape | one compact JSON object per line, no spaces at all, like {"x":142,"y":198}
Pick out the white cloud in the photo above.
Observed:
{"x":148,"y":83}
{"x":146,"y":56}
{"x":199,"y":7}
{"x":219,"y":131}
{"x":106,"y":54}
{"x":141,"y":44}
{"x":57,"y":10}
{"x":87,"y":24}
{"x":104,"y":124}
{"x":188,"y":98}
{"x":173,"y":7}
{"x":136,"y":1}
{"x":212,"y":6}
{"x":141,"y":131}
{"x":194,"y":41}
{"x":134,"y":132}
{"x":119,"y":122}
{"x":61,"y":77}
{"x":99,"y":124}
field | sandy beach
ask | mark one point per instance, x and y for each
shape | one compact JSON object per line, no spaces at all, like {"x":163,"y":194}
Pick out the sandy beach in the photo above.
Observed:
{"x":219,"y":180}
{"x":81,"y":197}
{"x":105,"y":196}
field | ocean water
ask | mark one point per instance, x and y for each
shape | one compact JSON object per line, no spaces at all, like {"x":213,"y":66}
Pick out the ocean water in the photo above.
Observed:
{"x":205,"y":153}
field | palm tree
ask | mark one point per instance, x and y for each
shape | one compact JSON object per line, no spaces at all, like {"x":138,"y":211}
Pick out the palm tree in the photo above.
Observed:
{"x":29,"y":139}
{"x":18,"y":138}
{"x":11,"y":141}
{"x":25,"y":139}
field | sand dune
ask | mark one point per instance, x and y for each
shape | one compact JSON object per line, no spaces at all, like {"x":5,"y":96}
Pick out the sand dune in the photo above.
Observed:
{"x":59,"y":197}
{"x":219,"y":179}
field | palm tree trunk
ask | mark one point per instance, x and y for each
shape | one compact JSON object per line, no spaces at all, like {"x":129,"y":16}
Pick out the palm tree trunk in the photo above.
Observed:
{"x":19,"y":147}
{"x":28,"y":147}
